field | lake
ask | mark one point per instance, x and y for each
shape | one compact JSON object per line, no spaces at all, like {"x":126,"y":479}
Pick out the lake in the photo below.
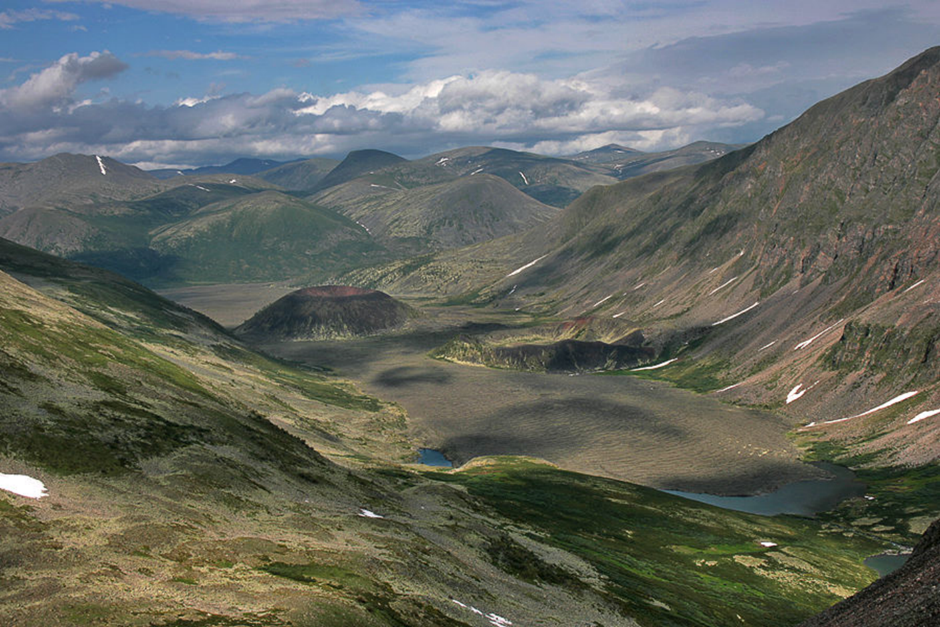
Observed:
{"x":802,"y":498}
{"x":430,"y":457}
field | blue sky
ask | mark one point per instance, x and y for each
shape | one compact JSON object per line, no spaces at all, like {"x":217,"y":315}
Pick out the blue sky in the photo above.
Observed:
{"x":191,"y":82}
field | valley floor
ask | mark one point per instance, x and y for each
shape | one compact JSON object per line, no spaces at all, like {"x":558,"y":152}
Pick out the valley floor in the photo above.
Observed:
{"x":641,"y":431}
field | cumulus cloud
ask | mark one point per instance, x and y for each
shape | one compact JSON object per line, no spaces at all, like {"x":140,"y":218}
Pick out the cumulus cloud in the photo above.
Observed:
{"x":516,"y":109}
{"x":249,"y":10}
{"x":56,"y":83}
{"x":9,"y":18}
{"x":189,"y":55}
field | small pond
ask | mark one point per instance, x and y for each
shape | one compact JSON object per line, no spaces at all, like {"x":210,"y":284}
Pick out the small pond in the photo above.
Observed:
{"x":886,"y":563}
{"x":803,"y":498}
{"x":430,"y":457}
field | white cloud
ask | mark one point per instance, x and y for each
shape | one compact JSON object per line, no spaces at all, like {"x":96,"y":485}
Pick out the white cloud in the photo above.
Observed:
{"x":189,"y":55}
{"x":522,"y":110}
{"x":248,"y":10}
{"x":9,"y":18}
{"x":57,"y":82}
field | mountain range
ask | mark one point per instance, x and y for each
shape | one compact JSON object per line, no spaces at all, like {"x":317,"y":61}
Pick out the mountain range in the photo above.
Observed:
{"x":196,"y":479}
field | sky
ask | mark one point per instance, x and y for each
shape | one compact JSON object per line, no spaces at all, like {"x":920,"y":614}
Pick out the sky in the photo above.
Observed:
{"x":180,"y":83}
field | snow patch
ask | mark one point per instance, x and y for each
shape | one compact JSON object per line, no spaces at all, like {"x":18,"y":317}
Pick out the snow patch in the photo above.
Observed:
{"x":477,"y":171}
{"x":619,"y":314}
{"x":725,"y":284}
{"x":638,"y":286}
{"x":795,"y":393}
{"x":525,"y":267}
{"x":442,"y":161}
{"x":512,"y":291}
{"x":767,"y":545}
{"x":233,"y":181}
{"x":523,"y":177}
{"x":103,"y":169}
{"x":735,"y":315}
{"x":730,"y":387}
{"x":806,"y":343}
{"x":23,"y":485}
{"x":893,"y":401}
{"x":494,"y":619}
{"x":766,"y":346}
{"x":603,"y":300}
{"x":923,"y":416}
{"x":913,"y":286}
{"x":662,"y":365}
{"x":365,"y":513}
{"x":659,"y":303}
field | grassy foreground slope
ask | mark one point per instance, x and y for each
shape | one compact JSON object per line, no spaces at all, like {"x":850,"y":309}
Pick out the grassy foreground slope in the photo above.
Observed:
{"x":195,"y":482}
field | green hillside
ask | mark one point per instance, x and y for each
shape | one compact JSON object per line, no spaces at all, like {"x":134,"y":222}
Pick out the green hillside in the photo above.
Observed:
{"x":204,"y":483}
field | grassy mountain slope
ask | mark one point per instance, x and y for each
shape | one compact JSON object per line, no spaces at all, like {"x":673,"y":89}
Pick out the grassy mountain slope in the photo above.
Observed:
{"x":193,"y":481}
{"x":552,"y":181}
{"x":66,"y":180}
{"x":356,"y":164}
{"x":627,"y":163}
{"x":299,"y":175}
{"x":262,"y":236}
{"x":446,"y":215}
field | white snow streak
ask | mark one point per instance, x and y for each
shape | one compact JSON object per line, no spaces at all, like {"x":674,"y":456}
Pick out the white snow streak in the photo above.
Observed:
{"x":368,"y":514}
{"x":442,"y":161}
{"x":23,"y":485}
{"x":806,"y":343}
{"x":619,"y":314}
{"x":913,"y":286}
{"x":233,"y":181}
{"x":512,"y":290}
{"x":659,"y":303}
{"x":923,"y":415}
{"x":725,"y":284}
{"x":523,"y":177}
{"x":202,"y":188}
{"x":713,"y":270}
{"x":766,"y":346}
{"x":730,"y":387}
{"x":104,"y":170}
{"x":494,"y":619}
{"x":795,"y":393}
{"x":662,"y":365}
{"x":893,"y":401}
{"x":606,"y":298}
{"x":477,"y":171}
{"x":733,"y":316}
{"x":525,"y":267}
{"x":638,"y":287}
{"x":768,"y":545}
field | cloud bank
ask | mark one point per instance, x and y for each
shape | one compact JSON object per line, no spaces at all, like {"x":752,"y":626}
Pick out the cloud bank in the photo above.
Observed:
{"x":43,"y":116}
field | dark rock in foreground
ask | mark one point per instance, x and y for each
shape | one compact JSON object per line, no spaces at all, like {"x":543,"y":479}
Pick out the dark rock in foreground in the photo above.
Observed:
{"x":324,"y":312}
{"x":908,"y":597}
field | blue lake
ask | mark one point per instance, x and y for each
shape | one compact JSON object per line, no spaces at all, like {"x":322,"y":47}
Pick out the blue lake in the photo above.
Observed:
{"x":886,"y":564}
{"x":430,"y":457}
{"x":803,"y":498}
